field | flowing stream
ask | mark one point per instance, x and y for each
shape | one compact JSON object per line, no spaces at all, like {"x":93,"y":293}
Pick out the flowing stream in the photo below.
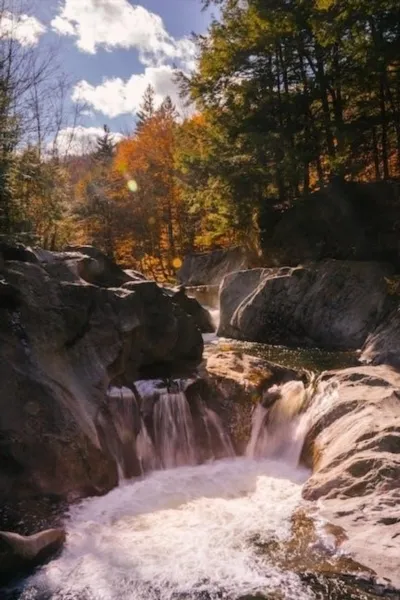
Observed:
{"x":188,"y":531}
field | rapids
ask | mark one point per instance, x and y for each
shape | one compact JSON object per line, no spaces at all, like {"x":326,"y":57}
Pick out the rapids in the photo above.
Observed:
{"x":188,"y":531}
{"x":183,"y":533}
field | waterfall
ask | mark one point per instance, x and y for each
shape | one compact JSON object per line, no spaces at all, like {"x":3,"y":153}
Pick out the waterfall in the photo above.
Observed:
{"x":278,"y":431}
{"x":176,"y":431}
{"x":173,"y":429}
{"x":120,"y":435}
{"x":216,"y":434}
{"x":197,"y":532}
{"x":145,"y":450}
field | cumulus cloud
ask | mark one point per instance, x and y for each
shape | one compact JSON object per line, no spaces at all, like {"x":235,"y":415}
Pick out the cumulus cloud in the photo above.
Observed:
{"x":113,"y":24}
{"x":25,"y":29}
{"x":116,"y":96}
{"x":81,"y":140}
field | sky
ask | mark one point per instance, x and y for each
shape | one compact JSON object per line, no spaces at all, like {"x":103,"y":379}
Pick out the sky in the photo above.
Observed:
{"x":113,"y":49}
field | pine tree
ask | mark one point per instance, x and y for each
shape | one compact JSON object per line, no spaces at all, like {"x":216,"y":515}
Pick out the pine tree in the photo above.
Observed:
{"x":105,"y":146}
{"x":147,"y":107}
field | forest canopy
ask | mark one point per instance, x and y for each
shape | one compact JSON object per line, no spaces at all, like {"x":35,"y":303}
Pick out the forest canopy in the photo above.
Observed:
{"x":287,"y":96}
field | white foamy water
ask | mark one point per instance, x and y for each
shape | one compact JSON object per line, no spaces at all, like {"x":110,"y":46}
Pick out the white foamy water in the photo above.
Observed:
{"x":279,"y":431}
{"x":186,"y":533}
{"x":174,"y":430}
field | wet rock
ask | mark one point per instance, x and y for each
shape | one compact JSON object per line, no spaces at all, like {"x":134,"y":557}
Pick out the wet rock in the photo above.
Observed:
{"x":353,"y":447}
{"x":331,"y":305}
{"x":237,"y":382}
{"x":19,"y":554}
{"x":62,"y":342}
{"x":209,"y":268}
{"x":383,"y":345}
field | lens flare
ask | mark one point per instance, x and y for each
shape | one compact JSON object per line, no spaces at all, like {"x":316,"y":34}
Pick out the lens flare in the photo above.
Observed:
{"x":132,"y":185}
{"x":177,"y":263}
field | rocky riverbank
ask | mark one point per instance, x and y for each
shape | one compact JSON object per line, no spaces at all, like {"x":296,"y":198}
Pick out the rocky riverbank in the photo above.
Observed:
{"x":81,"y":338}
{"x":71,"y":324}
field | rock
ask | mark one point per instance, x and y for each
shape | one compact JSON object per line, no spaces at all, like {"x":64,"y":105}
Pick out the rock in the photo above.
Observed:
{"x":101,"y":270}
{"x":192,"y":307}
{"x":11,"y":251}
{"x":207,"y":295}
{"x":238,"y":382}
{"x":338,"y":221}
{"x":134,"y":275}
{"x":331,"y":305}
{"x":383,"y":345}
{"x":353,"y":447}
{"x":170,"y":335}
{"x":19,"y":553}
{"x":210,"y":268}
{"x":63,"y":342}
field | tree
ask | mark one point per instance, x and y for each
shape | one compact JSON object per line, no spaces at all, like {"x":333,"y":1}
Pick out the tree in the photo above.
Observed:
{"x":147,"y":107}
{"x":105,"y":146}
{"x":297,"y":93}
{"x":96,"y":207}
{"x":32,"y":113}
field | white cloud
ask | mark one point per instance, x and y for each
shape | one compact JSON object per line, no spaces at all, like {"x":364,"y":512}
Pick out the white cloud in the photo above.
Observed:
{"x":23,"y":28}
{"x":118,"y":24}
{"x":81,"y":140}
{"x":114,"y":97}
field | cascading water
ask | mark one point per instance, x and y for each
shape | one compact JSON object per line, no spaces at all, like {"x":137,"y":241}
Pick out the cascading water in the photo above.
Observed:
{"x":189,"y":533}
{"x":214,"y":427}
{"x":124,"y":412}
{"x":145,"y":450}
{"x":177,"y":438}
{"x":174,"y":433}
{"x":278,"y":432}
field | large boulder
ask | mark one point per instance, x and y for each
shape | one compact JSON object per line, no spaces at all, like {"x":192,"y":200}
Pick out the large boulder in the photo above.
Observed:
{"x":63,"y":341}
{"x":209,"y":268}
{"x":338,"y":221}
{"x":100,"y":270}
{"x":332,"y":304}
{"x":353,"y":447}
{"x":19,"y":554}
{"x":383,"y":345}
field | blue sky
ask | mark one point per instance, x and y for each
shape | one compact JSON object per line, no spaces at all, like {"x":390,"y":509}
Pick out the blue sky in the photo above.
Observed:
{"x":114,"y":48}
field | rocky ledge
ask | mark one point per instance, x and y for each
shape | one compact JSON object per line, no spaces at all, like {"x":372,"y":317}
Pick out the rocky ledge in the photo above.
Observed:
{"x":353,"y":448}
{"x":333,"y":305}
{"x":71,"y":324}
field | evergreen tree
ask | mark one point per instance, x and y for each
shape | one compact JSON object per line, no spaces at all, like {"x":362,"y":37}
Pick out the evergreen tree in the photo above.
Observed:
{"x":147,"y":107}
{"x":298,"y":93}
{"x":105,"y":146}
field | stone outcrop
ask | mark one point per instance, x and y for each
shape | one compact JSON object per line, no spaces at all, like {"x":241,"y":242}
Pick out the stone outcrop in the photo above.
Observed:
{"x":353,"y":447}
{"x":63,"y":340}
{"x":238,"y":382}
{"x":383,"y":345}
{"x":346,"y":221}
{"x":209,"y":268}
{"x":19,"y":554}
{"x":332,"y":304}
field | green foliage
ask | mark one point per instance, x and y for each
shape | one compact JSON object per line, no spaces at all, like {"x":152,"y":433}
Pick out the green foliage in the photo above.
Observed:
{"x":105,"y":146}
{"x":296,"y":93}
